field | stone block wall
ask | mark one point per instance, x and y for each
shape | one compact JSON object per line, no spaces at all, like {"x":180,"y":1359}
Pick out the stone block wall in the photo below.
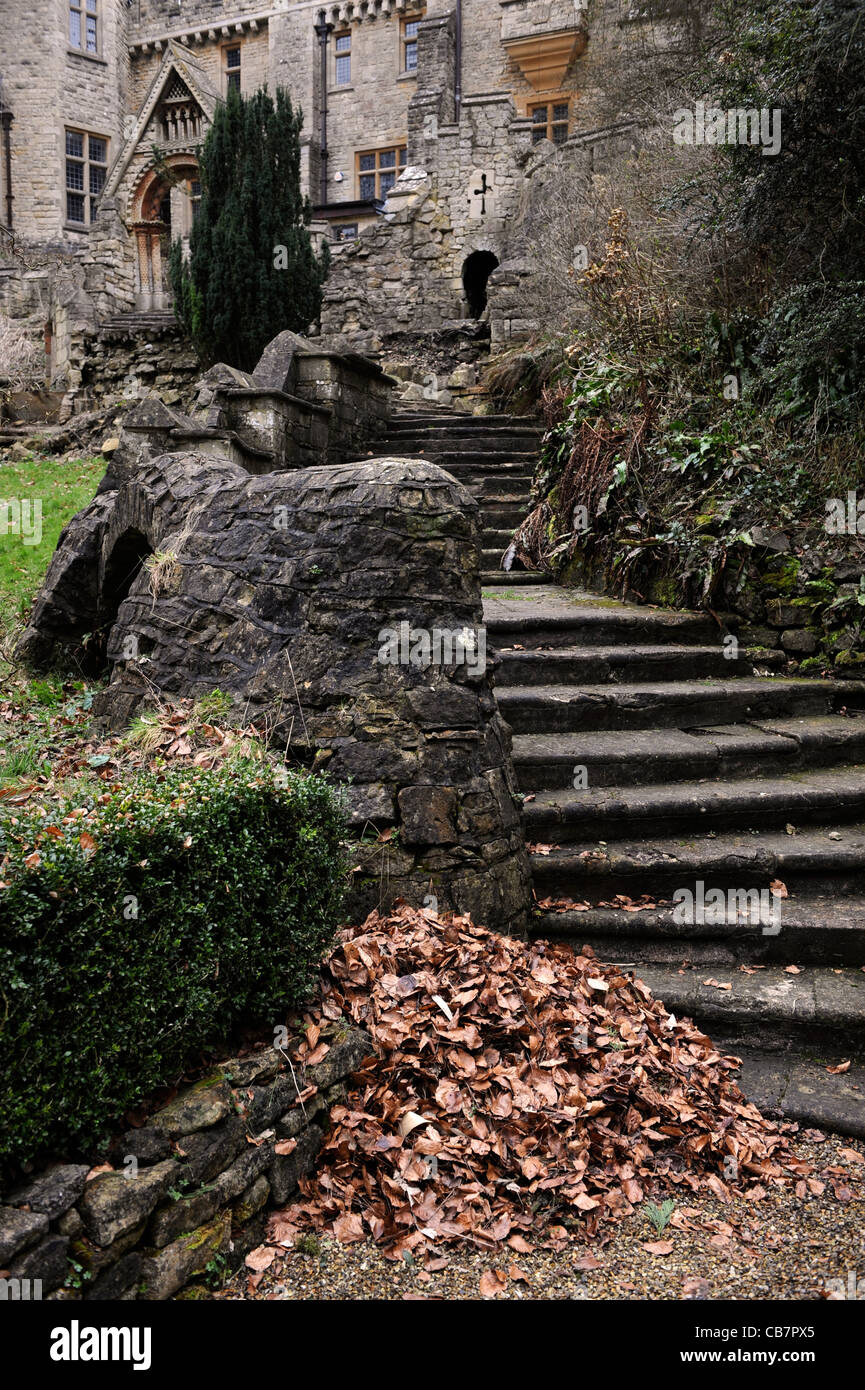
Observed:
{"x":49,"y":86}
{"x":104,"y":365}
{"x":188,"y":1193}
{"x":357,"y":394}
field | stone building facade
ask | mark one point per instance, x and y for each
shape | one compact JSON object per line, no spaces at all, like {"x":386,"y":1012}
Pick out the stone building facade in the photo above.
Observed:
{"x":422,"y":121}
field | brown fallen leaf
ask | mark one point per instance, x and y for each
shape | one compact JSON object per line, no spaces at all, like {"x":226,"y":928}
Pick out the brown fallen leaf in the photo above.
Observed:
{"x":586,"y":1262}
{"x":841,"y":1067}
{"x":792,"y":970}
{"x":716,"y":984}
{"x":493,"y":1282}
{"x":658,"y":1247}
{"x":261,"y":1258}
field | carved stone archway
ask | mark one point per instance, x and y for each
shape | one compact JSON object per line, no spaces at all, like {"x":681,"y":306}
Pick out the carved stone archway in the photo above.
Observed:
{"x":162,"y":209}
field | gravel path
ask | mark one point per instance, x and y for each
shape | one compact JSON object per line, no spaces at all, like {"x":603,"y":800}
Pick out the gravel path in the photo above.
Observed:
{"x":782,"y":1248}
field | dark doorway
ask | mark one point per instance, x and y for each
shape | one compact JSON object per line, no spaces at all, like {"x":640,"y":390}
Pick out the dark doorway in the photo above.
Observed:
{"x":130,"y":551}
{"x":477,"y":269}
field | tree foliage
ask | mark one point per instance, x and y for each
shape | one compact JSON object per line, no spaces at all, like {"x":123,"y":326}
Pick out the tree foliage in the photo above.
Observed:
{"x":234,"y":293}
{"x":806,"y":58}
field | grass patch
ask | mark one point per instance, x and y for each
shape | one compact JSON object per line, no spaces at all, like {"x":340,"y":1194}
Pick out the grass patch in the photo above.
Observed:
{"x":61,"y":487}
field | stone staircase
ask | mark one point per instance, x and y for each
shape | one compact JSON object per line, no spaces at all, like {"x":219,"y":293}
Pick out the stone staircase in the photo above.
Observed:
{"x":653,"y":760}
{"x":493,"y":455}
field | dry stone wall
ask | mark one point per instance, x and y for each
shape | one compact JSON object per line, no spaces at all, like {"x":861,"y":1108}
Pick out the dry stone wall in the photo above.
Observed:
{"x":188,"y":1193}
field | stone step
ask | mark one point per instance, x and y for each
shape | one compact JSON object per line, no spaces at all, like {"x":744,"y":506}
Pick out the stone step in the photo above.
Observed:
{"x":466,"y":449}
{"x":568,"y":618}
{"x":497,"y":539}
{"x":808,"y":929}
{"x":820,"y":1004}
{"x":465,"y":465}
{"x":500,"y":516}
{"x":496,"y":492}
{"x":793,"y":1083}
{"x":481,"y":468}
{"x":811,"y":796}
{"x":670,"y":704}
{"x":633,"y":758}
{"x":616,"y":663}
{"x":516,"y":578}
{"x":490,"y":426}
{"x":815,"y":860}
{"x":491,"y":558}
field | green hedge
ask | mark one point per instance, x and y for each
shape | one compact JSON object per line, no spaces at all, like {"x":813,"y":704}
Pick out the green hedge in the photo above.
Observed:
{"x":134,"y":936}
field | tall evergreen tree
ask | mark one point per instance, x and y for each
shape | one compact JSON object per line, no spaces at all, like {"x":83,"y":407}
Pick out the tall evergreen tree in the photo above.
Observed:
{"x":252,"y":270}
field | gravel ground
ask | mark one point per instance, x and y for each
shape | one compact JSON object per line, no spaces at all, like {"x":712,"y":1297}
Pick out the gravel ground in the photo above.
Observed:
{"x":782,"y":1247}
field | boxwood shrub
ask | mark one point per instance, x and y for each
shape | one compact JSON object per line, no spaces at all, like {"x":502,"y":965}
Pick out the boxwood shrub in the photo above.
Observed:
{"x":139,"y":927}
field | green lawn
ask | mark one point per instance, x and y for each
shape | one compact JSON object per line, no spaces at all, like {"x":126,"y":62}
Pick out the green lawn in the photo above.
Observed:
{"x":61,"y":488}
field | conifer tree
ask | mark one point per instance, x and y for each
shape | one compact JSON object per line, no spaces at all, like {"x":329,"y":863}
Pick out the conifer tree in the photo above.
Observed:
{"x":252,"y":270}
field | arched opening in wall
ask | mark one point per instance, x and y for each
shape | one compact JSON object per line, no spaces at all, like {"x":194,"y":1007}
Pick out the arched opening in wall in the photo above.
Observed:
{"x":130,"y":551}
{"x":163,"y":209}
{"x":477,"y":269}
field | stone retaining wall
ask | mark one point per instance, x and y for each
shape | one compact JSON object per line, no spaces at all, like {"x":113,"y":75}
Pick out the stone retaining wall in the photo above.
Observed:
{"x":188,"y":1193}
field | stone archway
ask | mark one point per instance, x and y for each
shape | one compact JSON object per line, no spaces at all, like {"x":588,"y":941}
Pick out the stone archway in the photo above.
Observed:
{"x":163,"y":209}
{"x":477,"y":269}
{"x":121,"y":568}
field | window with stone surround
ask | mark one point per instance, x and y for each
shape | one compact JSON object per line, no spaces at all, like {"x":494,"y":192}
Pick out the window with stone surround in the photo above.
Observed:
{"x":408,"y":41}
{"x":86,"y":168}
{"x":231,"y":67}
{"x":378,"y":171}
{"x":342,"y":59}
{"x":84,"y":25}
{"x":551,"y":121}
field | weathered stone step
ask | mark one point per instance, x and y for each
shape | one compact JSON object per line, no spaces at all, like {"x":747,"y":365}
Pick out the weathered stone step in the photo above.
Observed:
{"x":498,"y":516}
{"x":632,"y":663}
{"x":820,"y":1004}
{"x":488,"y":426}
{"x":516,"y":577}
{"x":568,"y":618}
{"x":496,"y":492}
{"x":811,"y":929}
{"x":498,"y":539}
{"x":478,"y":451}
{"x":633,"y":758}
{"x":794,"y":1083}
{"x":672,"y":704}
{"x":813,"y":795}
{"x":817,"y":859}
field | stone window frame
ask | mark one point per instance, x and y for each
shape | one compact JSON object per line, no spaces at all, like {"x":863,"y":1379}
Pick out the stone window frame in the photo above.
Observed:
{"x":232,"y":70}
{"x":84,"y":13}
{"x":345,"y":231}
{"x":380,"y":171}
{"x":343,"y":36}
{"x":88,"y":166}
{"x":409,"y":42}
{"x":546,"y":128}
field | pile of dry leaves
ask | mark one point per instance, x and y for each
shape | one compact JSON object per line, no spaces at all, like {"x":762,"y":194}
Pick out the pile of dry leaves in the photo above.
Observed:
{"x":515,"y":1088}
